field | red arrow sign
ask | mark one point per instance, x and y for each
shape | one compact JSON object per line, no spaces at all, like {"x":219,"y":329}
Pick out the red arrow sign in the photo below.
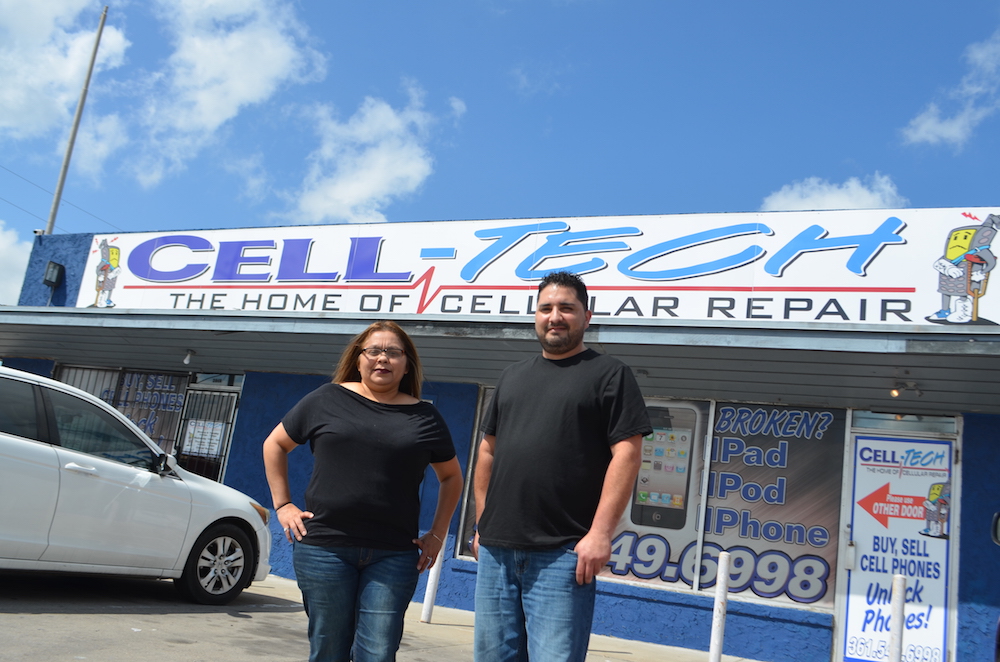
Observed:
{"x":881,"y":505}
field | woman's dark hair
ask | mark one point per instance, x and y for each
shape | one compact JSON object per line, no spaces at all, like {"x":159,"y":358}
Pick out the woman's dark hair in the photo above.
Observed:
{"x":347,"y":368}
{"x":567,"y":279}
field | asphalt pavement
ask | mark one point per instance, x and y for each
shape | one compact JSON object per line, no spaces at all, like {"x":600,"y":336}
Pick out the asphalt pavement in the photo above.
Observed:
{"x":52,"y":618}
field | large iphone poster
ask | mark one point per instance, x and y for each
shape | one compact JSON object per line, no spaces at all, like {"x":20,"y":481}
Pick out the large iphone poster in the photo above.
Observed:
{"x":773,"y":500}
{"x":655,"y":539}
{"x":901,"y":524}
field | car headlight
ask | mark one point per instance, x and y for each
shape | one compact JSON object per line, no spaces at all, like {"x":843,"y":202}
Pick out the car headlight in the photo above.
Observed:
{"x":263,"y":512}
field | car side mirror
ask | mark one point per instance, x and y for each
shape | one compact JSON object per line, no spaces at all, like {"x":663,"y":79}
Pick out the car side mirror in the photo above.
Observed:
{"x":164,"y":463}
{"x":996,"y":528}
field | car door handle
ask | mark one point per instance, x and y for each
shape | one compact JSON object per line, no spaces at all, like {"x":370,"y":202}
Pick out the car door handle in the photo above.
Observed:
{"x":80,"y":469}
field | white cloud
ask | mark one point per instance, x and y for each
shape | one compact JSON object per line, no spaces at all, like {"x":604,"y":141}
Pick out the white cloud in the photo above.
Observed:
{"x":974,"y":99}
{"x":256,"y":182}
{"x":97,"y":140}
{"x":539,"y":79}
{"x":813,"y":193}
{"x":14,"y":255}
{"x":228,"y":54}
{"x":45,"y":49}
{"x":223,"y":57}
{"x":458,"y":107}
{"x":361,"y":165}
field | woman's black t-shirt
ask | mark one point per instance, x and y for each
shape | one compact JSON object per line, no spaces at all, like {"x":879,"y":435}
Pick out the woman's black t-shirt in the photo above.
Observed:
{"x":369,"y":461}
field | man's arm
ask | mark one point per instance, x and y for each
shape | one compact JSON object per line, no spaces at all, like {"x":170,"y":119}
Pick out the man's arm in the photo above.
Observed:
{"x":481,"y":481}
{"x":594,"y":549}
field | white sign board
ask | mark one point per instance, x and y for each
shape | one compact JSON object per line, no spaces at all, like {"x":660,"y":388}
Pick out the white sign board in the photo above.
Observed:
{"x":870,"y":267}
{"x":204,"y":438}
{"x":900,"y":522}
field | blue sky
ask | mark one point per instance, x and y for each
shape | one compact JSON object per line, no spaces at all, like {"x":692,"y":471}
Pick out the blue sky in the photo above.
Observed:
{"x":245,"y":113}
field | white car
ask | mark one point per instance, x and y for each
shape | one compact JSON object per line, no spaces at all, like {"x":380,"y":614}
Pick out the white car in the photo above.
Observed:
{"x":83,"y":490}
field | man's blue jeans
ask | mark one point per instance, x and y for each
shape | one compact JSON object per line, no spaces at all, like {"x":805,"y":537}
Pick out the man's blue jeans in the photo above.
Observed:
{"x":355,"y":598}
{"x":528,"y":605}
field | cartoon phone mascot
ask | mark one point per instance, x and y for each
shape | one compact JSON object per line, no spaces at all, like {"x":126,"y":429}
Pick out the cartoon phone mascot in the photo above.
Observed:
{"x":963,"y":272}
{"x":936,"y":508}
{"x":107,"y":274}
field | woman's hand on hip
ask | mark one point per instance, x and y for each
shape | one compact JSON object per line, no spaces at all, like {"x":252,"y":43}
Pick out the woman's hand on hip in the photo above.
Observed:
{"x":292,"y":521}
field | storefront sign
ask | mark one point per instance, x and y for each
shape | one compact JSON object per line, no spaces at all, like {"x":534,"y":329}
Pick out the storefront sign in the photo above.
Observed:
{"x":773,"y":501}
{"x":901,"y":524}
{"x":872,"y":267}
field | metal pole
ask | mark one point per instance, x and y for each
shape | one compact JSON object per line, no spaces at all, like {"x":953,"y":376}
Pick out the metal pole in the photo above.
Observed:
{"x":719,"y":613}
{"x":76,"y":125}
{"x":896,"y":618}
{"x":430,"y":593}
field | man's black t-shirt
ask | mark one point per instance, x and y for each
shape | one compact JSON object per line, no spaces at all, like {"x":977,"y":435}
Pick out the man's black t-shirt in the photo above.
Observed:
{"x":369,"y":460}
{"x":555,"y":423}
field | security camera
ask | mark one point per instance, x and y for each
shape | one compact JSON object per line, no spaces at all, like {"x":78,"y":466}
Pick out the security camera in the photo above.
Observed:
{"x":38,"y":232}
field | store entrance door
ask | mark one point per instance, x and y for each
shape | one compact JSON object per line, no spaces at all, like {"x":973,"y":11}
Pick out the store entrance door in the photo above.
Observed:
{"x":206,"y":427}
{"x":904,"y":485}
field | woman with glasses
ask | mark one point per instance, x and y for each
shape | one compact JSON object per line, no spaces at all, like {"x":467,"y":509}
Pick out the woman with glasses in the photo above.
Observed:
{"x":356,"y":550}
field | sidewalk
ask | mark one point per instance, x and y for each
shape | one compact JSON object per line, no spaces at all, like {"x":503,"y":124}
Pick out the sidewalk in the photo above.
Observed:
{"x":448,"y":637}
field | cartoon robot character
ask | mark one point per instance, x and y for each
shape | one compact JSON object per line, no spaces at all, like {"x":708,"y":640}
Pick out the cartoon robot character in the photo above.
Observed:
{"x":936,"y":508}
{"x":964,"y":271}
{"x":107,"y":274}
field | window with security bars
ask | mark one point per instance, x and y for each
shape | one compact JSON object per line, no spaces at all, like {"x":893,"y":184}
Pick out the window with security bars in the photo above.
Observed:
{"x":189,"y":416}
{"x":152,"y":400}
{"x":205,"y":431}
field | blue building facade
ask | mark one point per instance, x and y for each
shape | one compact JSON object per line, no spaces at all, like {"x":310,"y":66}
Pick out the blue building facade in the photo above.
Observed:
{"x":756,"y":629}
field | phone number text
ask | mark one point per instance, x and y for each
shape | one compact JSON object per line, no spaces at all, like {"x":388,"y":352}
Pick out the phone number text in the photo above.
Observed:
{"x":769,"y":574}
{"x":860,"y":648}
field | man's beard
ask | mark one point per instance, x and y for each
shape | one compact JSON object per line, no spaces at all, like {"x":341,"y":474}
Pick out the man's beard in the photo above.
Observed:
{"x":559,"y":344}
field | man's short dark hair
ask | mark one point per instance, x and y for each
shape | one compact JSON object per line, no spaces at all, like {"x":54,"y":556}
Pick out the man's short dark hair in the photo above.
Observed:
{"x":566,"y":279}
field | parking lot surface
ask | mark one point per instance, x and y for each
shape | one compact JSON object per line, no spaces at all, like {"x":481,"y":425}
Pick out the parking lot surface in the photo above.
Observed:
{"x":49,"y":618}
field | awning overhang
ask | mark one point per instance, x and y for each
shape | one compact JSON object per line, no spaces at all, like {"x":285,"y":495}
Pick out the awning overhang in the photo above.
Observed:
{"x":955,"y":369}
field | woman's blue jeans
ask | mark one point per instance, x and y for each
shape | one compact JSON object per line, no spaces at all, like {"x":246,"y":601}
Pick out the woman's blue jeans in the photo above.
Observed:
{"x":355,"y":598}
{"x":528,"y":605}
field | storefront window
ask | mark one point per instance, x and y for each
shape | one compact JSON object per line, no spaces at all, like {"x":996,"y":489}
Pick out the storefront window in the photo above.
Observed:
{"x":151,"y":400}
{"x":773,"y":500}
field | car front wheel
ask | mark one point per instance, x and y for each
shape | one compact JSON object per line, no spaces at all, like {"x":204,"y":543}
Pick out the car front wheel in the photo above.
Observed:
{"x":219,"y":567}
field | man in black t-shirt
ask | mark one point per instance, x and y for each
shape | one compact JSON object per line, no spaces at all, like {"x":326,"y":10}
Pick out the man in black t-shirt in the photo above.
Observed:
{"x":556,"y":466}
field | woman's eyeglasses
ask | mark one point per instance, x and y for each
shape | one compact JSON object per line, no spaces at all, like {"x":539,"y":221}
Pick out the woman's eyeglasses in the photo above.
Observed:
{"x":391,"y":353}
